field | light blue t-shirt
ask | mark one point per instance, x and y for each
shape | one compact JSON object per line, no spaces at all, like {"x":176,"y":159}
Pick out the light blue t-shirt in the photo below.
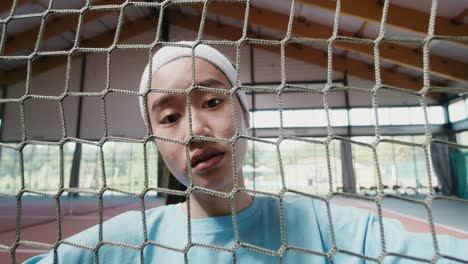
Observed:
{"x":306,"y":229}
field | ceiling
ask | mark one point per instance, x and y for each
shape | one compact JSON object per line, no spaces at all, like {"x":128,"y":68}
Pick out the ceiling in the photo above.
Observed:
{"x":407,"y":20}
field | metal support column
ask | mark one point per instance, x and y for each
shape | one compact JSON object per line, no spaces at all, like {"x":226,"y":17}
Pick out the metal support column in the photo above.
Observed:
{"x":75,"y":169}
{"x":348,"y":176}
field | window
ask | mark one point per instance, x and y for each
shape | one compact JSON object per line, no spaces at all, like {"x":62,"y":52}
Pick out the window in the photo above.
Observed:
{"x":401,"y":167}
{"x":396,"y":116}
{"x":363,"y":164}
{"x":436,"y":115}
{"x":261,"y":167}
{"x":304,"y":166}
{"x":466,"y":105}
{"x":360,"y":117}
{"x":266,"y":119}
{"x":319,"y":117}
{"x":123,"y":163}
{"x":385,"y":117}
{"x":339,"y":117}
{"x":457,"y":110}
{"x":9,"y":170}
{"x":417,"y":115}
{"x":41,"y":167}
{"x":300,"y":118}
{"x":462,"y":138}
{"x":400,"y":116}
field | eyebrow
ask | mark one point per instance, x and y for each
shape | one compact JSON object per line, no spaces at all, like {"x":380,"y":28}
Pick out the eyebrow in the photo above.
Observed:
{"x":211,"y":83}
{"x":163,"y":100}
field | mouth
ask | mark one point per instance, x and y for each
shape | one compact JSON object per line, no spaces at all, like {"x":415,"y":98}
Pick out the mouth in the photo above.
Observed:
{"x":206,"y":159}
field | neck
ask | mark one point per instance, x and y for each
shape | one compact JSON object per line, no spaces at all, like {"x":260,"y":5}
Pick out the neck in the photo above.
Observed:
{"x":205,"y":205}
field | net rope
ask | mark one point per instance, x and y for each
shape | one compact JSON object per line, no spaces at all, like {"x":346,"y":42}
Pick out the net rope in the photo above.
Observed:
{"x":284,"y":86}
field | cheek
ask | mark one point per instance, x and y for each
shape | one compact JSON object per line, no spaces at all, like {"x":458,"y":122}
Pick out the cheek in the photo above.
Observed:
{"x":241,"y":147}
{"x":170,"y":153}
{"x":226,"y":123}
{"x":163,"y":150}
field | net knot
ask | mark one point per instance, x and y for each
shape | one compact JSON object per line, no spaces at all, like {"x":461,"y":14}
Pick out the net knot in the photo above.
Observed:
{"x":378,"y":40}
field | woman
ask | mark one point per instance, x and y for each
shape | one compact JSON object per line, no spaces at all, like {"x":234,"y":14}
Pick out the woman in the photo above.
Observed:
{"x":220,"y":222}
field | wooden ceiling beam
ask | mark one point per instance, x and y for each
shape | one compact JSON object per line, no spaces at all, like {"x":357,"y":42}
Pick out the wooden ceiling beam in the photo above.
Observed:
{"x":362,"y":29}
{"x":389,"y":52}
{"x":311,"y":55}
{"x":132,"y":29}
{"x":401,"y":17}
{"x":460,"y":17}
{"x":53,"y":28}
{"x":400,"y":55}
{"x":5,"y":5}
{"x":37,"y":2}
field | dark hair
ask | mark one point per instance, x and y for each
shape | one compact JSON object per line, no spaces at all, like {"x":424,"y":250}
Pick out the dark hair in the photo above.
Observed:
{"x":167,"y":180}
{"x":174,"y":184}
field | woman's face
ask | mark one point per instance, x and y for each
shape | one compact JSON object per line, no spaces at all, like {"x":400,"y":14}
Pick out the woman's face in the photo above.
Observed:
{"x":211,"y":116}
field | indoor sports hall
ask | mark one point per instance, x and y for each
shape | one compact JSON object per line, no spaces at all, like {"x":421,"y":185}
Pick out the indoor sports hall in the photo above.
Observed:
{"x":359,"y":104}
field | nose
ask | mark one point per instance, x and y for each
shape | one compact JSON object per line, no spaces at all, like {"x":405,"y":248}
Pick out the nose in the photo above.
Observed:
{"x":200,"y":124}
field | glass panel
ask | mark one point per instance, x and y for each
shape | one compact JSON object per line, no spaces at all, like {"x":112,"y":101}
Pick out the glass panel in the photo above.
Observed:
{"x":400,"y":116}
{"x":10,"y":180}
{"x":457,"y":111}
{"x":466,"y":105}
{"x":251,"y":114}
{"x":42,"y":166}
{"x":265,"y":119}
{"x":363,"y":139}
{"x":90,"y":168}
{"x":360,"y":116}
{"x":357,"y":117}
{"x":388,"y":170}
{"x":462,"y":138}
{"x":436,"y":115}
{"x":363,"y":164}
{"x":404,"y":161}
{"x":124,"y":164}
{"x":402,"y":167}
{"x":335,"y":162}
{"x":320,"y":118}
{"x":304,"y":164}
{"x":417,"y":115}
{"x":298,"y":118}
{"x":339,"y":117}
{"x":384,"y":116}
{"x":261,"y":168}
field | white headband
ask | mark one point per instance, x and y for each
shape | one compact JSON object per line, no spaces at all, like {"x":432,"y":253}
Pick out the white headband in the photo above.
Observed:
{"x":168,"y":53}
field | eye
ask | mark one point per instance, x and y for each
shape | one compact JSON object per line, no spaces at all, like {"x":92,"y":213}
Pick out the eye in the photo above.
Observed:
{"x":169,"y":119}
{"x":212,"y":103}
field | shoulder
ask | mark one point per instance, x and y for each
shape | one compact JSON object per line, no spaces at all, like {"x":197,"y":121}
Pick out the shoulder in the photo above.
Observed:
{"x":293,"y":208}
{"x":161,"y":211}
{"x":125,"y":228}
{"x":320,"y":211}
{"x":291,"y":204}
{"x":164,"y":215}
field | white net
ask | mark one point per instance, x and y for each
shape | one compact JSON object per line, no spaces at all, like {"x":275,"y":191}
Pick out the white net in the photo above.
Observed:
{"x":162,"y":9}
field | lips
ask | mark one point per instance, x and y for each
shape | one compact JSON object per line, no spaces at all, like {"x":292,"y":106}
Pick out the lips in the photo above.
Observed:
{"x":206,"y":158}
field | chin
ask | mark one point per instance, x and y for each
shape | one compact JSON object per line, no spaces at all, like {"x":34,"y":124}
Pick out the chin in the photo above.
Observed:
{"x":221,"y":185}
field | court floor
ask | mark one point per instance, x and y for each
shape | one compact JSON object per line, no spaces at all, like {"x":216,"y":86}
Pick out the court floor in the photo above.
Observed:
{"x":38,"y":221}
